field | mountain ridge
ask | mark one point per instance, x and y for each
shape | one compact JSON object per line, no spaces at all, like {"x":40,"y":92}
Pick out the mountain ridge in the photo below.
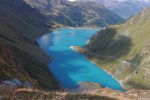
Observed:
{"x":77,"y":13}
{"x":124,"y":8}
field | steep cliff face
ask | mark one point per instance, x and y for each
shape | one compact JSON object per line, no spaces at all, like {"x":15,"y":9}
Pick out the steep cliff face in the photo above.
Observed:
{"x":20,"y":56}
{"x":67,"y":13}
{"x":124,"y":51}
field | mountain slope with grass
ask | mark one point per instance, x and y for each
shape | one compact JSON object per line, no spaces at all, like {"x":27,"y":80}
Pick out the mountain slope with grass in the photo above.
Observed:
{"x":64,"y":13}
{"x":20,"y":56}
{"x":124,"y":51}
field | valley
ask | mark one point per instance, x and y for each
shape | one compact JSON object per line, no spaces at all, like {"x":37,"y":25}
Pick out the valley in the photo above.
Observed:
{"x":73,"y":69}
{"x":81,"y":50}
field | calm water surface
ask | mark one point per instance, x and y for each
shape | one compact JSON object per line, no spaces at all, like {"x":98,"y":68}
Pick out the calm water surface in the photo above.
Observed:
{"x":69,"y":67}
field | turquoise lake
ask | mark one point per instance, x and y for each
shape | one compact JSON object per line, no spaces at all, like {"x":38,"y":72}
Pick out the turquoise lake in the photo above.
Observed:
{"x":69,"y":67}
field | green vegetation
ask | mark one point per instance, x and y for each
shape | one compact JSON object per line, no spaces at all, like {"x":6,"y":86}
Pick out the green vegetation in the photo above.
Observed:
{"x":124,"y":51}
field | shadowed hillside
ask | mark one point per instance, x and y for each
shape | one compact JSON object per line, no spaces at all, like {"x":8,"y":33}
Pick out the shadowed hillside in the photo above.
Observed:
{"x":20,"y":57}
{"x":109,"y":42}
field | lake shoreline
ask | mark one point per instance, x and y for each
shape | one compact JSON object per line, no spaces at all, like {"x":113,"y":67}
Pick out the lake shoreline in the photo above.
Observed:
{"x":56,"y":51}
{"x":81,"y":51}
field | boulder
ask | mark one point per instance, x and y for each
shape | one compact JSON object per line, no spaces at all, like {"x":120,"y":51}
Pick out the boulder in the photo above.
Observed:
{"x":17,"y":82}
{"x":9,"y":83}
{"x":27,"y":84}
{"x":13,"y":83}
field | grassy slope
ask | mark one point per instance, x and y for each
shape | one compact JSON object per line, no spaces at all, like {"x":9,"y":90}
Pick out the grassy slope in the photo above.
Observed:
{"x":20,"y":26}
{"x":76,"y":14}
{"x":124,"y":51}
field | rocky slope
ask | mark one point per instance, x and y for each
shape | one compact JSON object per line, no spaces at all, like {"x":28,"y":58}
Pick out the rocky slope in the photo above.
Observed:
{"x":124,"y":51}
{"x":75,"y":14}
{"x":20,"y":26}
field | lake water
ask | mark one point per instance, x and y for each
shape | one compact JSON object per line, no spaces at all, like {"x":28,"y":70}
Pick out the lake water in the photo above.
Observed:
{"x":69,"y":67}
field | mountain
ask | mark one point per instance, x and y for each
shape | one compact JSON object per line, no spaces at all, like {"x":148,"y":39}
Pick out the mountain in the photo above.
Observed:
{"x":75,"y":13}
{"x":20,"y":26}
{"x":125,"y":8}
{"x":22,"y":60}
{"x":124,"y":51}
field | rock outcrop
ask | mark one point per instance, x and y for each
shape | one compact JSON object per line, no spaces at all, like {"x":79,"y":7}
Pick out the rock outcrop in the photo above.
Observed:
{"x":17,"y":83}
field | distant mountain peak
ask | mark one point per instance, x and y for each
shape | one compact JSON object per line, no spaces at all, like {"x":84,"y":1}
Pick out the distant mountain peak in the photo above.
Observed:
{"x":125,"y":8}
